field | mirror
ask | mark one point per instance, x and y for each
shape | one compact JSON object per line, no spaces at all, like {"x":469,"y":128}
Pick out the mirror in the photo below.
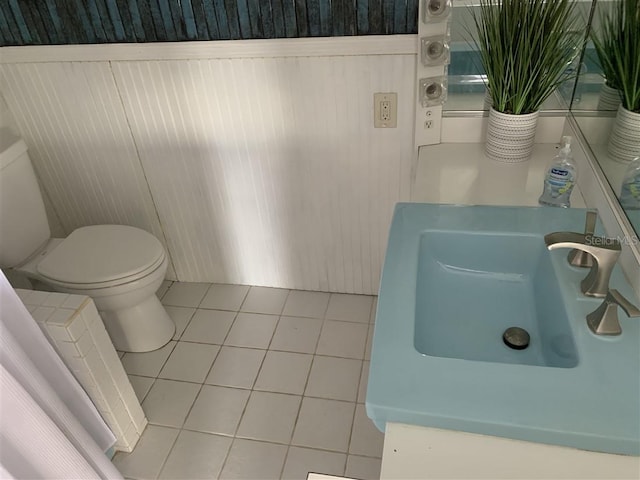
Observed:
{"x":466,"y":88}
{"x":595,"y":103}
{"x":592,"y":104}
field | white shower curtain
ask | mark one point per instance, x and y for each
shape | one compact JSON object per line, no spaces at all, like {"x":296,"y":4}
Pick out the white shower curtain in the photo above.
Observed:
{"x":48,"y":426}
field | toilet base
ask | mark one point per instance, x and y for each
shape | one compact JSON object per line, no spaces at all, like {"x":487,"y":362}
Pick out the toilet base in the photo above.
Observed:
{"x":141,"y":328}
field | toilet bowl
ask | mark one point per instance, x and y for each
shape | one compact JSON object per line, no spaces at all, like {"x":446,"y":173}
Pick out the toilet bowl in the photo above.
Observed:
{"x":121,"y":281}
{"x":120,"y":267}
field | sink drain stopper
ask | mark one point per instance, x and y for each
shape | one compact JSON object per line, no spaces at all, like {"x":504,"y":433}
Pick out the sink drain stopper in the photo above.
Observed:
{"x":516,"y":338}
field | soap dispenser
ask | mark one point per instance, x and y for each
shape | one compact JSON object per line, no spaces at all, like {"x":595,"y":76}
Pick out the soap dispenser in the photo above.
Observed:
{"x":560,"y":178}
{"x":630,"y":192}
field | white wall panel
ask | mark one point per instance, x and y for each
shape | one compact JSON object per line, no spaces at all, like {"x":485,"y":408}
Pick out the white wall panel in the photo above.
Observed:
{"x":269,"y":171}
{"x":72,"y":119}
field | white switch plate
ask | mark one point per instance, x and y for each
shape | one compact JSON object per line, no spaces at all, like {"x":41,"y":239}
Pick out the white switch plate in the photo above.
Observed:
{"x":385,"y":110}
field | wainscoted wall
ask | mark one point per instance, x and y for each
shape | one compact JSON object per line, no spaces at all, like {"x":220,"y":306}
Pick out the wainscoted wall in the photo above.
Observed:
{"x":263,"y":170}
{"x":71,"y":117}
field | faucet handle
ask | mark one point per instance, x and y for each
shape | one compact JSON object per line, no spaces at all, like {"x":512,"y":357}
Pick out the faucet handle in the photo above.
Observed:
{"x":604,"y":319}
{"x":580,"y":258}
{"x":605,"y":252}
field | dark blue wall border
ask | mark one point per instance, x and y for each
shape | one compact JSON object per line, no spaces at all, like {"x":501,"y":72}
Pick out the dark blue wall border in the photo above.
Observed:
{"x":59,"y":22}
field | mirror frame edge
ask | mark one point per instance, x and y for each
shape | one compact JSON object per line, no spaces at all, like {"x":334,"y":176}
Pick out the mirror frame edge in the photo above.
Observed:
{"x":632,"y":248}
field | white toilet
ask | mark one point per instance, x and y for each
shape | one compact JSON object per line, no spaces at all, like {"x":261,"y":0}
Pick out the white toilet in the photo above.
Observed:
{"x":119,"y":267}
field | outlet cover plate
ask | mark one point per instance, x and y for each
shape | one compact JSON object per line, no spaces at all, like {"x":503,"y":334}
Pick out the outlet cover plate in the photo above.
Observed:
{"x":385,"y":110}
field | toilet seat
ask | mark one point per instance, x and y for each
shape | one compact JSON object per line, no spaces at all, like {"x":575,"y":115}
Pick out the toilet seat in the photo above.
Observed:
{"x":102,"y":256}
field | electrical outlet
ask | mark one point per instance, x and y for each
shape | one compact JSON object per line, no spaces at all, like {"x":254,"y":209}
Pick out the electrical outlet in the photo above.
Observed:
{"x":385,"y":110}
{"x":428,"y":125}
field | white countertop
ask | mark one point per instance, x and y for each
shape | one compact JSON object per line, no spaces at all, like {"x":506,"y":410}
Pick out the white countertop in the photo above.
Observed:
{"x":460,"y":173}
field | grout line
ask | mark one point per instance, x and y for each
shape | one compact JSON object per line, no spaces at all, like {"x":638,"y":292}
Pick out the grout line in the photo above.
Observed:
{"x":186,"y":326}
{"x":205,"y":295}
{"x":286,"y":456}
{"x":219,"y":346}
{"x":164,"y":462}
{"x":327,"y":309}
{"x":353,"y":426}
{"x":226,"y":457}
{"x":284,"y":304}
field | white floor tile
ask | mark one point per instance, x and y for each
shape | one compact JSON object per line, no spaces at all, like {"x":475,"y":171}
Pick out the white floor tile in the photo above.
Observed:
{"x":306,"y":304}
{"x":284,"y":372}
{"x":147,"y":364}
{"x":265,"y":300}
{"x":209,"y":326}
{"x":324,"y":424}
{"x":350,"y":308}
{"x":217,"y":410}
{"x":334,"y":378}
{"x":183,"y":294}
{"x":141,"y":386}
{"x":189,"y":362}
{"x":252,"y":460}
{"x":363,"y":468}
{"x":196,"y":456}
{"x":364,"y":381}
{"x":366,"y":439}
{"x":225,"y":297}
{"x":254,"y":393}
{"x":302,"y":461}
{"x":270,"y":417}
{"x":169,"y":402}
{"x":252,"y":330}
{"x":342,"y":339}
{"x":297,"y":334}
{"x":150,"y":453}
{"x":236,"y":367}
{"x":181,"y":317}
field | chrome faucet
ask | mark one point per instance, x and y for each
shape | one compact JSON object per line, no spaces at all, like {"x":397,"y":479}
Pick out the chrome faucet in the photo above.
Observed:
{"x":580,"y":258}
{"x":605,"y":252}
{"x":604,"y":319}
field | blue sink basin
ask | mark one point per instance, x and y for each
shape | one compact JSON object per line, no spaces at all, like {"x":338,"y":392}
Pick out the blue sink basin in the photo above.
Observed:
{"x":508,"y":281}
{"x":454,"y":278}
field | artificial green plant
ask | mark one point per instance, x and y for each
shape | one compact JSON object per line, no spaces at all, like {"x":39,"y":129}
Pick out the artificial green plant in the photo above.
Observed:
{"x":526,"y":47}
{"x":617,"y":44}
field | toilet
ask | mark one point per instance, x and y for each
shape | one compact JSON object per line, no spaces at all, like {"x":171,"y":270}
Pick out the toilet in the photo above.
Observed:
{"x":118,"y":266}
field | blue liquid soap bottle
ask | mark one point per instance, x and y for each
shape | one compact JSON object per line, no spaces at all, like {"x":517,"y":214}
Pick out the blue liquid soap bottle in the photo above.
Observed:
{"x":560,"y":178}
{"x":630,"y":192}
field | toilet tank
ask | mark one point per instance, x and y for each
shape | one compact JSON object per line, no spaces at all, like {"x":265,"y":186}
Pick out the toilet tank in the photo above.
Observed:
{"x":23,"y":221}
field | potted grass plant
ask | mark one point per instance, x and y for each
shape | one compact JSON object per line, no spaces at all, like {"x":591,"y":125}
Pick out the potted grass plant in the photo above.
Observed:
{"x":525,"y":47}
{"x":604,"y":42}
{"x":617,"y":44}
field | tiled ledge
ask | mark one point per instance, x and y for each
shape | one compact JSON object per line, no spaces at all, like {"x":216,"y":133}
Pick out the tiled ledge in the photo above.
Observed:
{"x":74,"y":327}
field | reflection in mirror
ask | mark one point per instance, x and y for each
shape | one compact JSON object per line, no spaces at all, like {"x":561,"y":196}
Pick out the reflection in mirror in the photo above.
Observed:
{"x":466,"y":90}
{"x":606,"y":104}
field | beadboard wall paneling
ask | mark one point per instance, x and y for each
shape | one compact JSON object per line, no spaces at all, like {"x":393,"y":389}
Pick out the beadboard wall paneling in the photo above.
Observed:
{"x":269,"y":171}
{"x":71,"y":117}
{"x":57,"y":22}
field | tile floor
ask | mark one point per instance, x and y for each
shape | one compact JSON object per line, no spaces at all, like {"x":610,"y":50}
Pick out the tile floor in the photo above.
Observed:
{"x":257,"y":383}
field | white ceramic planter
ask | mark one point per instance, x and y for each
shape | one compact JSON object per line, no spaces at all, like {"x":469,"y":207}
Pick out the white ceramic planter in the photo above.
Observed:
{"x":624,"y":142}
{"x":609,"y":99}
{"x":510,"y":138}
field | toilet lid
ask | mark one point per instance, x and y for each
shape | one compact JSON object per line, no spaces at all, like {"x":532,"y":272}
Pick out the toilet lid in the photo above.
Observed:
{"x":102,"y":253}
